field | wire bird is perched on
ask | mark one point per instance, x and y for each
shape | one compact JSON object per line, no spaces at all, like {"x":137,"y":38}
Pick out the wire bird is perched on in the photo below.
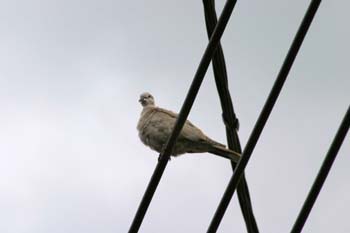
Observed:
{"x":155,"y":126}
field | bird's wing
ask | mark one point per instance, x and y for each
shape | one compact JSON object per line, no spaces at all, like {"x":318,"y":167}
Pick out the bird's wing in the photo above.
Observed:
{"x":189,"y":130}
{"x":171,"y":114}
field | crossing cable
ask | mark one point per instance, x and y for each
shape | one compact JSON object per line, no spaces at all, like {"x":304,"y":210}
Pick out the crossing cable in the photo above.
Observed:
{"x":229,"y":116}
{"x":185,"y":109}
{"x":322,"y":174}
{"x":264,"y":115}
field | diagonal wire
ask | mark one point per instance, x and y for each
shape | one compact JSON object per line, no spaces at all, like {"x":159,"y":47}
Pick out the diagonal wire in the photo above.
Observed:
{"x":229,"y":116}
{"x":185,"y":109}
{"x":323,"y":173}
{"x":264,"y":115}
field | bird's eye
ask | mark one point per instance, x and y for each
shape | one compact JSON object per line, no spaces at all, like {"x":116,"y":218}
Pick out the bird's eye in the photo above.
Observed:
{"x":148,"y":96}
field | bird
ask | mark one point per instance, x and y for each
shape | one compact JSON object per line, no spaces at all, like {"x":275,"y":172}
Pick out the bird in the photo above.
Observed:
{"x":155,"y":126}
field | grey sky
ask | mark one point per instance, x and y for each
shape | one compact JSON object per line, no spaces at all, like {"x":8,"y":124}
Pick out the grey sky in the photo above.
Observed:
{"x":70,"y":76}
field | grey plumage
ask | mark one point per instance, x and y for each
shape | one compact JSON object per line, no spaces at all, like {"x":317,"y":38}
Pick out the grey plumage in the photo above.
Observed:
{"x":155,"y":125}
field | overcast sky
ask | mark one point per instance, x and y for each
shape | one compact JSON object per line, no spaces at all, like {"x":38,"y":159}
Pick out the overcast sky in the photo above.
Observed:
{"x":70,"y":76}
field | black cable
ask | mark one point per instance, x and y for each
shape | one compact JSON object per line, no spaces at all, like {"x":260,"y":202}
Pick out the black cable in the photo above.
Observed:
{"x":322,"y":174}
{"x":185,"y":109}
{"x":264,"y":115}
{"x":229,"y":116}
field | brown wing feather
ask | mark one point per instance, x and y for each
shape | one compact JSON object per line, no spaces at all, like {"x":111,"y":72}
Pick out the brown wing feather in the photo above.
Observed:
{"x":189,"y":130}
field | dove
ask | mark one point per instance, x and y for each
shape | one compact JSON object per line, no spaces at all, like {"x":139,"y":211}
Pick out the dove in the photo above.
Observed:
{"x":155,"y":126}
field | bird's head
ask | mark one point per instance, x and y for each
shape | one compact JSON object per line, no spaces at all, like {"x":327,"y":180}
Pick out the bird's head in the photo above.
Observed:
{"x":146,"y":99}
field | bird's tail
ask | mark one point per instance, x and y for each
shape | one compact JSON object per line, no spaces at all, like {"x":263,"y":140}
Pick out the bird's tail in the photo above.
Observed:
{"x":224,"y":152}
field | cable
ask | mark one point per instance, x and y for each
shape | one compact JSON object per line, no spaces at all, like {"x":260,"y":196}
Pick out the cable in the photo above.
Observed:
{"x":229,"y":116}
{"x":322,"y":174}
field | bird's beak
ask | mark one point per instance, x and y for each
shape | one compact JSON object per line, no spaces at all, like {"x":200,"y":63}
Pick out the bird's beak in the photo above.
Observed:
{"x":141,"y":99}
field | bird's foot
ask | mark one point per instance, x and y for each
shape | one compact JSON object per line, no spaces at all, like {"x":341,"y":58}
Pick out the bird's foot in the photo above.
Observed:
{"x":161,"y":156}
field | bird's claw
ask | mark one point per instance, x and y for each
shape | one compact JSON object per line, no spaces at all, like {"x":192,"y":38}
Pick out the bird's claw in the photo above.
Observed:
{"x":160,"y":157}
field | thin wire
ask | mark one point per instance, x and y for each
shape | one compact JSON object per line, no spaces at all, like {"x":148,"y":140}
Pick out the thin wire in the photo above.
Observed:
{"x":323,"y":173}
{"x":185,"y":109}
{"x":264,"y":115}
{"x":229,"y":116}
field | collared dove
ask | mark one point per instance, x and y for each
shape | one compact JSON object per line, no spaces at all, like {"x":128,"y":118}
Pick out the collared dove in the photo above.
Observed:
{"x":155,"y":126}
